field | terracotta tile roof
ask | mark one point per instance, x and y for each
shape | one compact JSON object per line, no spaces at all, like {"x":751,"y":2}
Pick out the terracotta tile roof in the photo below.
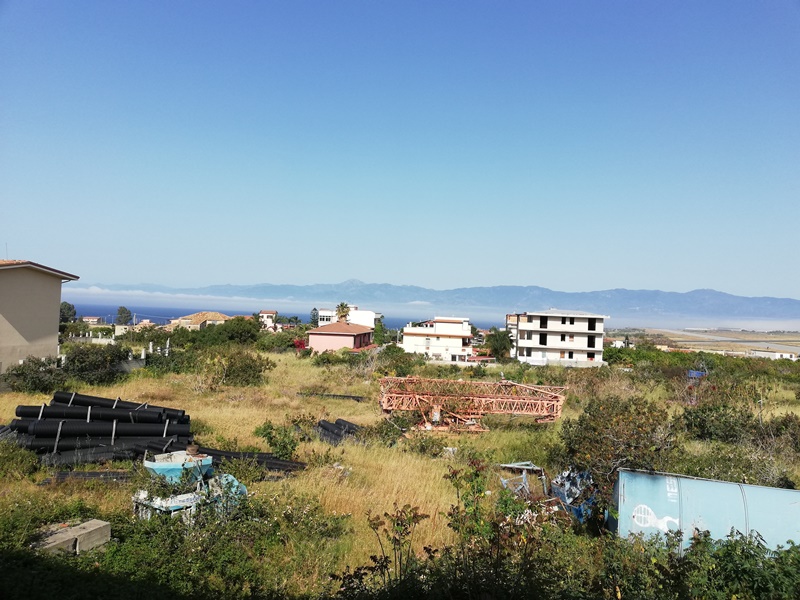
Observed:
{"x":202,"y":317}
{"x":339,"y":328}
{"x":15,"y":264}
{"x":363,"y":348}
{"x":268,"y":312}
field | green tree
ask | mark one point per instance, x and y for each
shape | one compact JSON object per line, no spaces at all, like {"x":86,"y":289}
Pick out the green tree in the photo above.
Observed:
{"x":66,"y":313}
{"x":240,"y":330}
{"x":499,"y":342}
{"x":96,"y":365}
{"x":613,"y":433}
{"x":124,"y":316}
{"x":342,"y":310}
{"x":314,"y":317}
{"x":380,"y":333}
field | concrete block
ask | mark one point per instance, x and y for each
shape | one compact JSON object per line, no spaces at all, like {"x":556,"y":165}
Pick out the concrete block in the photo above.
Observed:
{"x":79,"y":538}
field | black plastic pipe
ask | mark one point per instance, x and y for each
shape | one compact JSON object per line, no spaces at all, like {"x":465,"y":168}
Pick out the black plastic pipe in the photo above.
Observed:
{"x":83,"y":400}
{"x":347,"y":426}
{"x":331,"y":428}
{"x":89,"y":455}
{"x":72,"y":443}
{"x":52,"y":428}
{"x":92,"y":413}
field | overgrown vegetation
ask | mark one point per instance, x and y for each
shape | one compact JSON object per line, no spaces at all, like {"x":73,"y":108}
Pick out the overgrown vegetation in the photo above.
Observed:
{"x":391,"y":513}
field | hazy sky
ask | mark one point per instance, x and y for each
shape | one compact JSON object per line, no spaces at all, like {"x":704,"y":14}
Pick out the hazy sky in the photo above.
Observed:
{"x":572,"y":145}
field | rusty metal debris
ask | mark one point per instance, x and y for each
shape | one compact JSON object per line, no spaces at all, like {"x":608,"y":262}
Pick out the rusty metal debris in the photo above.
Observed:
{"x":460,"y":405}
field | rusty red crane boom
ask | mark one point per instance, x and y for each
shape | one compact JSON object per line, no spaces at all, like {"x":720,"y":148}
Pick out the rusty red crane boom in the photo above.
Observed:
{"x":457,"y":404}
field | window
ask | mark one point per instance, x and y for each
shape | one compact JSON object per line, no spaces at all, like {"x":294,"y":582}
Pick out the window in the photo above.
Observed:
{"x":563,"y":321}
{"x":571,"y":338}
{"x":590,"y":341}
{"x":543,"y":339}
{"x":590,"y":355}
{"x":530,"y":319}
{"x":543,"y":322}
{"x":592,"y":324}
{"x":563,"y":337}
{"x":563,"y":354}
{"x":571,"y":354}
{"x":572,"y":320}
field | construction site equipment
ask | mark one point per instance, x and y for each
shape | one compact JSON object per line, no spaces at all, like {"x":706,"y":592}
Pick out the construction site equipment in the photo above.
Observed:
{"x":458,"y":404}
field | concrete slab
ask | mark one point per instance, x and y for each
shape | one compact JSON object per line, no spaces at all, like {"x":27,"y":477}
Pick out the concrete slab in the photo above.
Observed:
{"x":79,"y":538}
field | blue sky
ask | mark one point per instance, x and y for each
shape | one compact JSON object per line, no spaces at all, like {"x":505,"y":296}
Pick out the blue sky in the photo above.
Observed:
{"x":572,"y":145}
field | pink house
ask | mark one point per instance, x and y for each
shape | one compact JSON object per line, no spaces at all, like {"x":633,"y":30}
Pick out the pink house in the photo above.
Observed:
{"x":339,"y":335}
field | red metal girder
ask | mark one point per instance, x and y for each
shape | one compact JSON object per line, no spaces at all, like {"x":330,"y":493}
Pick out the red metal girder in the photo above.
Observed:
{"x":469,"y":400}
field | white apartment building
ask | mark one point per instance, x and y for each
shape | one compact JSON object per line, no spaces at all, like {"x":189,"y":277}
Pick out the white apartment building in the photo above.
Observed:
{"x":356,"y":316}
{"x":564,"y":337}
{"x":443,"y":338}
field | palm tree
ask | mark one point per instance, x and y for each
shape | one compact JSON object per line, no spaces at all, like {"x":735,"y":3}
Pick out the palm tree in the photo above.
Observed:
{"x":342,"y":310}
{"x":499,"y":342}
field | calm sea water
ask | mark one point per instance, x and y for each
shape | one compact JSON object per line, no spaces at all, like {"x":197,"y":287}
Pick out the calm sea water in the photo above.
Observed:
{"x":163,"y":315}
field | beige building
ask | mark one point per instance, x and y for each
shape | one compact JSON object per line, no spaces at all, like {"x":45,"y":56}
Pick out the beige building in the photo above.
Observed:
{"x":30,"y":299}
{"x":199,"y":320}
{"x":443,"y":338}
{"x":564,"y":337}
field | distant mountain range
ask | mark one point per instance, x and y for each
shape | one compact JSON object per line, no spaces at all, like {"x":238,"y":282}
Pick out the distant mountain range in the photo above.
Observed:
{"x":646,"y":306}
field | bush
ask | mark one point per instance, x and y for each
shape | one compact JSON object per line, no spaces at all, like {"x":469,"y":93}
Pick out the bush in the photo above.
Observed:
{"x":230,"y":365}
{"x":96,"y":365}
{"x":718,"y":421}
{"x":16,"y":462}
{"x":280,"y":341}
{"x":613,"y":433}
{"x":35,"y":375}
{"x":282,"y":440}
{"x":425,"y":443}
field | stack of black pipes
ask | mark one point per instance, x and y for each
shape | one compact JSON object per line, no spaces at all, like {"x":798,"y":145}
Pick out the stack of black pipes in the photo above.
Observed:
{"x":334,"y":433}
{"x":76,"y":428}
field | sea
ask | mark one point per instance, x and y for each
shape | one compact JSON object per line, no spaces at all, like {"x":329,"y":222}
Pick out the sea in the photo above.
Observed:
{"x":163,"y":315}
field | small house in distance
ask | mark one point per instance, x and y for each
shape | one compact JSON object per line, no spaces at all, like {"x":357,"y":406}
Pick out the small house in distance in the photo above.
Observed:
{"x":564,"y":337}
{"x":268,"y":320}
{"x":336,"y":336}
{"x":30,"y":297}
{"x":443,"y":338}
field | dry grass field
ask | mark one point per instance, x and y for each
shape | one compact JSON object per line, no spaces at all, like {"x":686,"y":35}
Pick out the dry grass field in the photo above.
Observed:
{"x":353,"y":478}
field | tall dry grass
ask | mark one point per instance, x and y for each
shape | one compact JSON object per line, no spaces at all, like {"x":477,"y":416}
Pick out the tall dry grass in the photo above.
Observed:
{"x":365,"y":477}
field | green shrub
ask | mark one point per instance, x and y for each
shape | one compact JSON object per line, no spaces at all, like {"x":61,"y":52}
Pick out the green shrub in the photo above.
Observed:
{"x":95,"y":365}
{"x":718,"y":421}
{"x":282,"y":440}
{"x":16,"y":462}
{"x":35,"y":375}
{"x":425,"y":443}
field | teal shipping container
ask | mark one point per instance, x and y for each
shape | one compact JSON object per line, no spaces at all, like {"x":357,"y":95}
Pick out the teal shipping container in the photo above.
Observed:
{"x":649,"y":503}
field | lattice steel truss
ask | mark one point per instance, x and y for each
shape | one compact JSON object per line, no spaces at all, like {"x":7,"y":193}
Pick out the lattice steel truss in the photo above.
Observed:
{"x":455,"y":404}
